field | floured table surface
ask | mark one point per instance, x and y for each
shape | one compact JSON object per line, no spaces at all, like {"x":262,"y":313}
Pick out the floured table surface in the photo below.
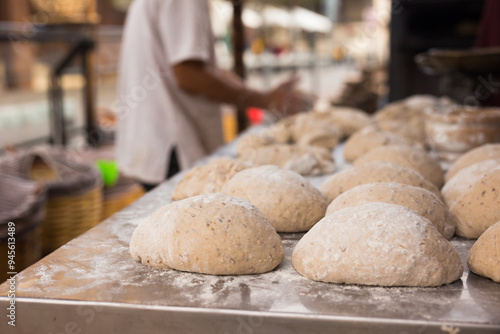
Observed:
{"x":93,"y":284}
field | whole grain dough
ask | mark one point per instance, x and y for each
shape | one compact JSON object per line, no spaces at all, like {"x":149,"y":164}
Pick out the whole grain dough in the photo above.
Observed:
{"x":484,"y":256}
{"x":288,"y":200}
{"x":407,"y":156}
{"x":461,"y":182}
{"x":377,"y":244}
{"x":252,"y":141}
{"x":373,"y":172}
{"x":209,"y":178}
{"x":366,"y":139}
{"x":210,"y":234}
{"x":420,"y":200}
{"x":479,"y":207}
{"x":348,"y":120}
{"x":305,"y":160}
{"x":481,"y":153}
{"x":309,"y":131}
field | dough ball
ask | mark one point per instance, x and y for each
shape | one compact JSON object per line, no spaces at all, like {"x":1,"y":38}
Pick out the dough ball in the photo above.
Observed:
{"x":479,"y":207}
{"x":420,"y":200}
{"x":484,"y":256}
{"x":208,"y":178}
{"x":252,"y":141}
{"x":209,"y":234}
{"x":348,"y":120}
{"x":377,"y":244}
{"x":466,"y":178}
{"x":412,"y":129}
{"x":481,"y":153}
{"x":372,"y":172}
{"x":305,"y":160}
{"x":366,"y":139}
{"x":309,"y":131}
{"x":288,"y":200}
{"x":407,"y":156}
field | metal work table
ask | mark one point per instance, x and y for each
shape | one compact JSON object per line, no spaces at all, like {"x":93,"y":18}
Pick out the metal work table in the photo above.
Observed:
{"x":92,"y":285}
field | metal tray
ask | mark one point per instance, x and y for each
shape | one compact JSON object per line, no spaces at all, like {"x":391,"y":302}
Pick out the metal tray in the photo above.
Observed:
{"x":92,"y":285}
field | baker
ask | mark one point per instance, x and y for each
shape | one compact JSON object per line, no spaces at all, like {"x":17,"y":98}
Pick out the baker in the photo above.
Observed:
{"x":169,"y":90}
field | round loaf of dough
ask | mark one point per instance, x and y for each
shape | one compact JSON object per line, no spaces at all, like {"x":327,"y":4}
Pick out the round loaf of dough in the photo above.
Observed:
{"x":309,"y":131}
{"x":348,"y":120}
{"x":288,"y":200}
{"x":370,"y":173}
{"x":481,"y":153}
{"x":305,"y":160}
{"x":366,"y":139}
{"x":465,"y":179}
{"x":209,"y":178}
{"x":421,"y":201}
{"x":252,"y":141}
{"x":484,"y":256}
{"x":407,"y":156}
{"x":479,"y":207}
{"x":377,"y":244}
{"x":210,"y":234}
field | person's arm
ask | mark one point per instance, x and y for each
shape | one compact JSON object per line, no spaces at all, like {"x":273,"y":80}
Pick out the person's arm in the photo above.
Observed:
{"x":198,"y":78}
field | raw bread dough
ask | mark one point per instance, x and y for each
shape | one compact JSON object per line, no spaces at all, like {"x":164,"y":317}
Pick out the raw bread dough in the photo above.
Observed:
{"x":348,"y":120}
{"x":481,"y":153}
{"x":209,"y":178}
{"x":466,"y":178}
{"x":366,"y":139}
{"x":407,"y":156}
{"x":252,"y":141}
{"x":309,"y":131}
{"x":373,"y":172}
{"x":288,"y":200}
{"x":377,"y":244}
{"x":420,"y":200}
{"x":305,"y":160}
{"x":479,"y":207}
{"x":484,"y":256}
{"x":210,"y":234}
{"x":412,"y":130}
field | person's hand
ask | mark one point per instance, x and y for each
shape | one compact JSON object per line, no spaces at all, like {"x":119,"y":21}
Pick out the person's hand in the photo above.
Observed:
{"x":284,"y":100}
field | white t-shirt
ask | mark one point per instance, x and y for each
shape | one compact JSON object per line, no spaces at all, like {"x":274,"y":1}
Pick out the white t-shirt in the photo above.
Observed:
{"x":154,"y":113}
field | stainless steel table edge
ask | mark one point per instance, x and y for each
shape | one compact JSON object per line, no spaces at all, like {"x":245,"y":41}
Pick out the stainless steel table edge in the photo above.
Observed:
{"x":72,"y":316}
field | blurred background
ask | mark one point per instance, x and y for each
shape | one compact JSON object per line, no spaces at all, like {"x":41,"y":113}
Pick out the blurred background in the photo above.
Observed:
{"x":58,"y":64}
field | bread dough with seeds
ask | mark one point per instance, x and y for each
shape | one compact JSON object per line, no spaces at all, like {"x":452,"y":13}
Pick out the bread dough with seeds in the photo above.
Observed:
{"x":309,"y":131}
{"x":209,"y":234}
{"x":461,"y":182}
{"x":209,"y":178}
{"x":288,"y":200}
{"x":407,"y":156}
{"x":373,"y":172}
{"x":366,"y":140}
{"x":420,"y":200}
{"x":481,"y":153}
{"x":479,"y":207}
{"x":377,"y":244}
{"x":348,"y":120}
{"x":305,"y":160}
{"x":484,"y":256}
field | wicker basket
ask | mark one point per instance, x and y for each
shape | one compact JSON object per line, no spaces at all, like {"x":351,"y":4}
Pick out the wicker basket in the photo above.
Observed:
{"x":74,"y":200}
{"x":124,"y":193}
{"x":22,"y":203}
{"x":116,"y":197}
{"x":66,"y":11}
